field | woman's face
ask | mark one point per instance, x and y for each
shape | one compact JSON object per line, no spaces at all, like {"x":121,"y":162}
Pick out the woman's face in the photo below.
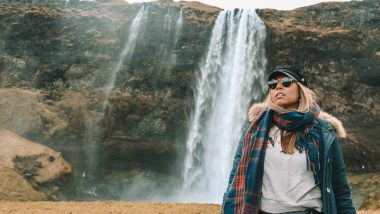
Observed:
{"x":286,"y":97}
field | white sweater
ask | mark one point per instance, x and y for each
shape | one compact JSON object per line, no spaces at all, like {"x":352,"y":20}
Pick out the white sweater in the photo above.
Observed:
{"x":287,"y":184}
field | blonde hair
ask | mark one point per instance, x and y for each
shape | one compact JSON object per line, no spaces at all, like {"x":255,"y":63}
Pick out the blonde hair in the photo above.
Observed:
{"x":306,"y":100}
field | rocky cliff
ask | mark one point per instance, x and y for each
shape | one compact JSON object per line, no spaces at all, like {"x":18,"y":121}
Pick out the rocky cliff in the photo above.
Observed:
{"x":337,"y":47}
{"x":61,"y":54}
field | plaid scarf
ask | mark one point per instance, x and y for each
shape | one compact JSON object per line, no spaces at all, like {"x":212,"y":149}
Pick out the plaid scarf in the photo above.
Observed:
{"x":305,"y":127}
{"x":244,"y":193}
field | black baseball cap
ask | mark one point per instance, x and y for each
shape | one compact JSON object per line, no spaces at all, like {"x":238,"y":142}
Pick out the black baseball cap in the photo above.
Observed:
{"x":290,"y":71}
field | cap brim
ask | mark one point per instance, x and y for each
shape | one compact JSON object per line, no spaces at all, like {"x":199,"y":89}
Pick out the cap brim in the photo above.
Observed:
{"x":274,"y":73}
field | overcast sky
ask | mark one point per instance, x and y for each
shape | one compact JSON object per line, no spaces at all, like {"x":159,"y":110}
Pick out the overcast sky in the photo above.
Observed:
{"x":252,"y":4}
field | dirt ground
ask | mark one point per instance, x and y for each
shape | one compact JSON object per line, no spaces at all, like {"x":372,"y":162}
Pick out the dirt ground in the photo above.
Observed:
{"x":112,"y":207}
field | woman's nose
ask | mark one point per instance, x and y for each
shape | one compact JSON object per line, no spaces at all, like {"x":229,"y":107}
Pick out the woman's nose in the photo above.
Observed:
{"x":279,"y":84}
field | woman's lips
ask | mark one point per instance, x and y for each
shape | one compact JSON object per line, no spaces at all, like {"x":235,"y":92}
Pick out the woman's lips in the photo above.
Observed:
{"x":279,"y":94}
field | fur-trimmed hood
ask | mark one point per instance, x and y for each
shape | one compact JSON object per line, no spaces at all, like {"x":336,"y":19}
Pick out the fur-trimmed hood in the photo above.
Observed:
{"x":257,"y":109}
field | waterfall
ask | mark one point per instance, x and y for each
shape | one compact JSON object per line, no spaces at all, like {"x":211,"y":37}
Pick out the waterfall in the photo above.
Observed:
{"x":230,"y":75}
{"x":171,"y":39}
{"x":177,"y":35}
{"x":135,"y":30}
{"x":178,"y":27}
{"x":92,"y":135}
{"x":167,"y":30}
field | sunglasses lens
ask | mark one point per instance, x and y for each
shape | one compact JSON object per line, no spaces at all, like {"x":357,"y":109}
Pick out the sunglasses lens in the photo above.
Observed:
{"x":286,"y":82}
{"x":272,"y":84}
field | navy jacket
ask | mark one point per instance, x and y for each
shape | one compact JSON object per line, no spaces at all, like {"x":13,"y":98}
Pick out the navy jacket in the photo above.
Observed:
{"x":336,"y":196}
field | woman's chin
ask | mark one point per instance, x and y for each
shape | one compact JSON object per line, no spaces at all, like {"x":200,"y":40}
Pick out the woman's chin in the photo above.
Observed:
{"x":286,"y":105}
{"x":282,"y":103}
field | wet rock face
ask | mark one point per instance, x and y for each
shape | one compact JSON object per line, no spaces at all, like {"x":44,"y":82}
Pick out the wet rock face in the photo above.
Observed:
{"x":64,"y":52}
{"x":336,"y":47}
{"x":75,"y":46}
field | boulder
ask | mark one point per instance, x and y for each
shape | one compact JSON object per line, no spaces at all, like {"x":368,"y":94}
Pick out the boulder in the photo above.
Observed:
{"x":29,"y":171}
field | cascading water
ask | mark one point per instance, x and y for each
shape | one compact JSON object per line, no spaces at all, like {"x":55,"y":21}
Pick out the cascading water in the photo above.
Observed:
{"x":171,"y":39}
{"x":177,"y":35}
{"x":230,"y":76}
{"x":92,"y":136}
{"x":135,"y":30}
{"x":178,"y":27}
{"x":167,"y":30}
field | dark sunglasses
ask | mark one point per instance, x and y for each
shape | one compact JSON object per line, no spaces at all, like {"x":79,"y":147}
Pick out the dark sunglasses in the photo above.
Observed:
{"x":286,"y":82}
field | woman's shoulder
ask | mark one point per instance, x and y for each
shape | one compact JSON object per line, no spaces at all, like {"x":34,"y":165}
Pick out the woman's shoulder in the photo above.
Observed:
{"x":255,"y":111}
{"x":330,"y":122}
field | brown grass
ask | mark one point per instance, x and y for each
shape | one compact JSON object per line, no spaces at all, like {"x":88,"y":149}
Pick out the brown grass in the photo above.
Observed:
{"x":199,"y":6}
{"x":112,"y":207}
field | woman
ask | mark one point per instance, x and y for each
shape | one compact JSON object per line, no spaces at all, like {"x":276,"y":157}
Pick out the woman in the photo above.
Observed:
{"x":289,"y":159}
